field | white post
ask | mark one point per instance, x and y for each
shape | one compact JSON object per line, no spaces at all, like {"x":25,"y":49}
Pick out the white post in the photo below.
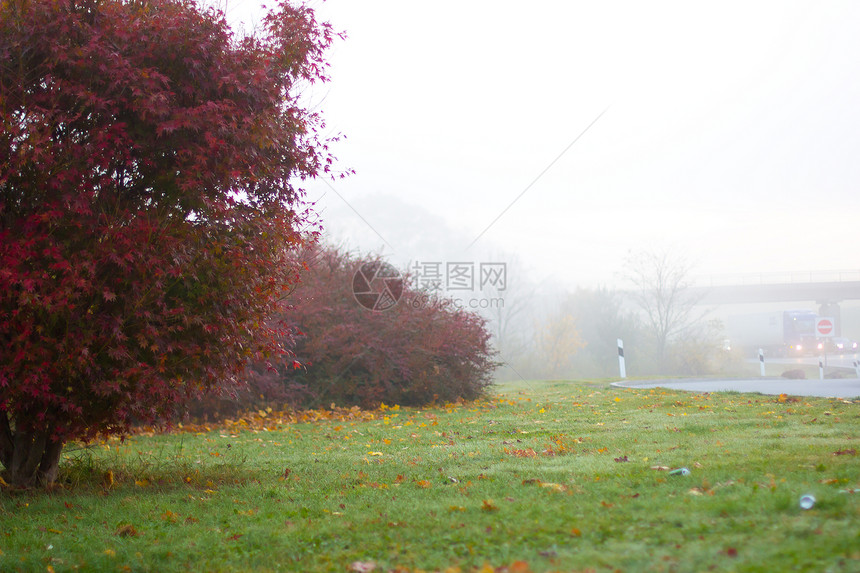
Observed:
{"x":761,"y":360}
{"x":621,"y":366}
{"x":820,"y":368}
{"x":857,"y":367}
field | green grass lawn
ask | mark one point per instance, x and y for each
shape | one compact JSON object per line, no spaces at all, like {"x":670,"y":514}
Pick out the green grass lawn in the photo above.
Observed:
{"x":541,"y":476}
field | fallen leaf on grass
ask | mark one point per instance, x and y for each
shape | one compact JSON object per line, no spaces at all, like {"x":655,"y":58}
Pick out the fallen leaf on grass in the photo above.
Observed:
{"x":660,"y":468}
{"x":489,"y":505}
{"x":553,"y":486}
{"x":575,"y":532}
{"x":529,"y":453}
{"x":519,"y":567}
{"x":127,"y":530}
{"x":424,"y":484}
{"x":621,"y":459}
{"x":362,"y":566}
{"x":851,"y":452}
{"x":548,"y":485}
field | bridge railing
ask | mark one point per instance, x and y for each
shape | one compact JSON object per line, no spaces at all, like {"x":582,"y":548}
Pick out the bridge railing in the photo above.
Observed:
{"x":771,"y":278}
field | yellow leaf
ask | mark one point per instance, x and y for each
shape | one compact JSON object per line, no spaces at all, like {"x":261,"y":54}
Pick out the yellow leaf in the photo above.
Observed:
{"x":553,"y":486}
{"x":110,"y":552}
{"x":374,"y":453}
{"x":423,"y":483}
{"x":141,"y":482}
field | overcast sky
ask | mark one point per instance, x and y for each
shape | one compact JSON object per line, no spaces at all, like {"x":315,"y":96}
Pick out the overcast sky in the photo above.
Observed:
{"x":566,"y":134}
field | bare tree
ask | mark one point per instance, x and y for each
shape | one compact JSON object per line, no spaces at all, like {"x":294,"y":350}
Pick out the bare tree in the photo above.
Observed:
{"x":661,"y":288}
{"x":510,"y":310}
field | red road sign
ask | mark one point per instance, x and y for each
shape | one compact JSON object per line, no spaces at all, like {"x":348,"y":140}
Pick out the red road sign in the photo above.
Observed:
{"x":824,"y":327}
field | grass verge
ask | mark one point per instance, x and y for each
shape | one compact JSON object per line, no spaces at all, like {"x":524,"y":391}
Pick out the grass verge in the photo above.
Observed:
{"x":542,"y":476}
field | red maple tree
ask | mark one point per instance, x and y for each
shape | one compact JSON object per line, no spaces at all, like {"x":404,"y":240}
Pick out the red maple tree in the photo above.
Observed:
{"x":148,"y":206}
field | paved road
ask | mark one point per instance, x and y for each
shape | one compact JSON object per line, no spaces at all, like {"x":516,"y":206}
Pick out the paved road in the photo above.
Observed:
{"x":838,"y":388}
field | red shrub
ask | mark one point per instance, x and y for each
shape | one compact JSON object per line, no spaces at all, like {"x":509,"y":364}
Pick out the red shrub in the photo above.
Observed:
{"x":419,"y":351}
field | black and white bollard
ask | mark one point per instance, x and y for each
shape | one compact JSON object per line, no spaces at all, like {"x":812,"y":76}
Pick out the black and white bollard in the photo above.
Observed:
{"x":820,"y":368}
{"x":761,"y":360}
{"x":857,"y":367}
{"x":621,"y":366}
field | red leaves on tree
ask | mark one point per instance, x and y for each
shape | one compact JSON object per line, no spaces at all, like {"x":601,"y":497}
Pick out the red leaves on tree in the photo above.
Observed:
{"x":416,"y":352}
{"x":147,"y":210}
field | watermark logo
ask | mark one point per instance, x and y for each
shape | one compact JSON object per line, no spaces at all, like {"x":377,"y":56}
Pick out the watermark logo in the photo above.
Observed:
{"x":377,"y":285}
{"x":459,"y":276}
{"x":429,"y":300}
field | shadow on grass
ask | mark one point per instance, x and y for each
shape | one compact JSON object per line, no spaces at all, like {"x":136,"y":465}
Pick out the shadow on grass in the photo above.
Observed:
{"x":84,"y":469}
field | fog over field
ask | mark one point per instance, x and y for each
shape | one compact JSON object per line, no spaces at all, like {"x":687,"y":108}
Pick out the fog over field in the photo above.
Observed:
{"x":728,"y":130}
{"x":561,"y":137}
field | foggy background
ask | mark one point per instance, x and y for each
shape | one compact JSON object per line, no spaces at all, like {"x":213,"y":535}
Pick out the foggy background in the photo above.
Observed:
{"x":563,"y":137}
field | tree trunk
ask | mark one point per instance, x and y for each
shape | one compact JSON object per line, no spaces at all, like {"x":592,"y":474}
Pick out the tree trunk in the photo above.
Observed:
{"x":29,"y":458}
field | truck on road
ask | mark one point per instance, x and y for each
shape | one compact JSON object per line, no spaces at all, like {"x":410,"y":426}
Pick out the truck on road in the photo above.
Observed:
{"x":778,"y":333}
